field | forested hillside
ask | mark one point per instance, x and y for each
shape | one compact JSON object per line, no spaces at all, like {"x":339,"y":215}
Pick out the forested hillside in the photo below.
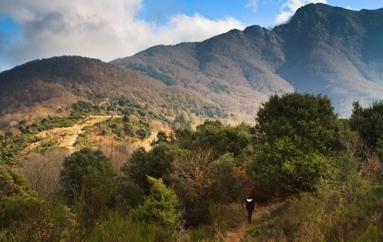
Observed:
{"x":191,"y":184}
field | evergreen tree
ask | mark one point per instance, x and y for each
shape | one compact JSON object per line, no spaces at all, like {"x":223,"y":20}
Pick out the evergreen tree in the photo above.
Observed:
{"x":294,"y":132}
{"x":160,"y":207}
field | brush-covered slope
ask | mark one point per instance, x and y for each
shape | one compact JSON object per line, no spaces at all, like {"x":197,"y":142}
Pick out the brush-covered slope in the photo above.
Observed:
{"x":50,"y":86}
{"x":323,"y":49}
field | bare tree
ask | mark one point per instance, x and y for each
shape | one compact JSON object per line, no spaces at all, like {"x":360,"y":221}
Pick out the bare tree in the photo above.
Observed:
{"x":118,"y":153}
{"x":42,"y":171}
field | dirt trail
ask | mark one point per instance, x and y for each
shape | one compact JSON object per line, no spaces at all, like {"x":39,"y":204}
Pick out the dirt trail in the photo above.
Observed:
{"x":236,"y":235}
{"x":66,"y":136}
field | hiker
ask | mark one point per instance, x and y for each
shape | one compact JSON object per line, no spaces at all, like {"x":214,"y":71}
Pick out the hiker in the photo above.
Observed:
{"x":250,"y":208}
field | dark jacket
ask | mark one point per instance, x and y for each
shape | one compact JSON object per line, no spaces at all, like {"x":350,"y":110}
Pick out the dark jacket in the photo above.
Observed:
{"x":250,"y":204}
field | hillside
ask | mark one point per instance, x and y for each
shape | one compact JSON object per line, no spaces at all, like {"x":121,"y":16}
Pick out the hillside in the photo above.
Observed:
{"x":323,"y":49}
{"x":50,"y":86}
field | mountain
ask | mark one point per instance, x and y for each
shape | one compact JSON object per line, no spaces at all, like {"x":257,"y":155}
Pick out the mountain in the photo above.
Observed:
{"x":322,"y":49}
{"x":50,"y":86}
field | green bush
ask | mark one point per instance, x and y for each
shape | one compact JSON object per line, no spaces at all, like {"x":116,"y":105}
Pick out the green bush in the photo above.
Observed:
{"x":31,"y":219}
{"x":372,"y":233}
{"x":201,"y":233}
{"x":118,"y":228}
{"x":160,"y":207}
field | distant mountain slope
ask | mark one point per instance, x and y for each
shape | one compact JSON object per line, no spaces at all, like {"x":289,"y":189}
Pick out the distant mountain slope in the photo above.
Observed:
{"x":323,"y":49}
{"x":335,"y":51}
{"x":49,"y":86}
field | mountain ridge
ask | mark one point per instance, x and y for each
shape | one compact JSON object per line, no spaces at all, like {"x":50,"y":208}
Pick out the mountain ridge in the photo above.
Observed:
{"x":322,"y":49}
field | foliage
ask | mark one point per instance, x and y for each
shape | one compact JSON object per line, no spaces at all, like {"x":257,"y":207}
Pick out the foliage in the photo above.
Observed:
{"x":294,"y":132}
{"x":10,"y":147}
{"x":216,"y":220}
{"x":218,"y":88}
{"x":48,"y":123}
{"x":150,"y":71}
{"x":228,"y":183}
{"x":297,"y":149}
{"x":216,"y":136}
{"x":31,"y":219}
{"x":346,"y":206}
{"x":78,"y":169}
{"x":222,"y":139}
{"x":210,"y":111}
{"x":123,"y":128}
{"x":97,"y":190}
{"x":82,"y":108}
{"x":119,"y":228}
{"x":160,"y":207}
{"x":155,"y":163}
{"x":11,"y":184}
{"x":201,"y":233}
{"x":368,"y":122}
{"x":180,"y":122}
{"x":191,"y":177}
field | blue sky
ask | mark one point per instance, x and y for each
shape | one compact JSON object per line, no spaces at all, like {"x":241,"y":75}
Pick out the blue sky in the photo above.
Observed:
{"x":110,"y":29}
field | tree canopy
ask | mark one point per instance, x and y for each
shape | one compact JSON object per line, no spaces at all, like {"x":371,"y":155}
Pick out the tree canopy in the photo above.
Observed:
{"x":78,"y":167}
{"x":368,"y":122}
{"x":293,"y":131}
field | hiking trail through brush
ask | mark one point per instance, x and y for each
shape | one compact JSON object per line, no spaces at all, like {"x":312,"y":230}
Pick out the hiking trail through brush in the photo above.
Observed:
{"x":237,"y":234}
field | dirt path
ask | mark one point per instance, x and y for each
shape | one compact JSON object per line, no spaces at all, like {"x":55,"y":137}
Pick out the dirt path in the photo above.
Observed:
{"x":66,"y":136}
{"x":238,"y":234}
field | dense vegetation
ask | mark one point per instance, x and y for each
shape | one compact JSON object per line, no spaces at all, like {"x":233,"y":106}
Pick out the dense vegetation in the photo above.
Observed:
{"x":150,"y":71}
{"x":191,"y":184}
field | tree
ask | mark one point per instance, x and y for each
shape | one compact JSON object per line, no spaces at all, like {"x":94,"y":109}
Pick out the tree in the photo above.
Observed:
{"x":42,"y":171}
{"x":78,"y":167}
{"x":294,"y":131}
{"x":228,"y":184}
{"x":89,"y":183}
{"x":11,"y":184}
{"x":160,"y":207}
{"x":368,"y":122}
{"x":155,"y":163}
{"x":191,"y":177}
{"x":213,"y":134}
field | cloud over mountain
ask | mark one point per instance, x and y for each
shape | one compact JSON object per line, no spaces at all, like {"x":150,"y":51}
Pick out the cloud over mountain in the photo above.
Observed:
{"x":102,"y":29}
{"x":290,"y":6}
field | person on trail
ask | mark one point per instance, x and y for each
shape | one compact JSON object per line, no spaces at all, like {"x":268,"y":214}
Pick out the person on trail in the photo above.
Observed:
{"x":250,"y":208}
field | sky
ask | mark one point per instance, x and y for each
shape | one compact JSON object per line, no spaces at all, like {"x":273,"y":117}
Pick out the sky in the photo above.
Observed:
{"x":111,"y":29}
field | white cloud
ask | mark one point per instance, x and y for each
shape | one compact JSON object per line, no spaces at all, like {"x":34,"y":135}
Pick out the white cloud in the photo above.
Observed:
{"x":102,"y":29}
{"x":194,"y":28}
{"x":253,"y":4}
{"x":288,"y":9}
